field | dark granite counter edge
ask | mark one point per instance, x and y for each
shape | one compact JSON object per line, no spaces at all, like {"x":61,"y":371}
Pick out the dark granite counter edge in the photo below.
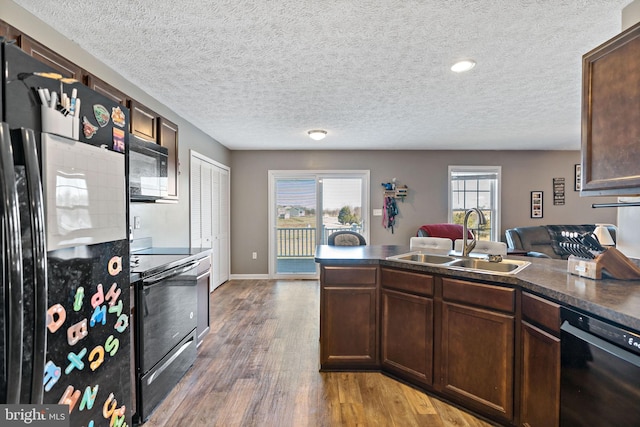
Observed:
{"x":614,"y":300}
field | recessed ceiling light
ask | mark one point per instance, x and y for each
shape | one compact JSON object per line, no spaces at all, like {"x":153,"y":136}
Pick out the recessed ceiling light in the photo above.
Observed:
{"x":462,"y":66}
{"x":317,"y":134}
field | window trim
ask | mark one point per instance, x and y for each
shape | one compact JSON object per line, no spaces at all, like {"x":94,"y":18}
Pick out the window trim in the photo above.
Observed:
{"x":496,"y":231}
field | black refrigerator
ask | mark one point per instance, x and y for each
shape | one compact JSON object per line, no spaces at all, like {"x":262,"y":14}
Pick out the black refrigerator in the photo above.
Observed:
{"x":64,"y":323}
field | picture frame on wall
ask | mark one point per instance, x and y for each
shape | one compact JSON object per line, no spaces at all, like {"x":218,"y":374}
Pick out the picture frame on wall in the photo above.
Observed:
{"x":577,"y":184}
{"x":558,"y":191}
{"x":536,"y":204}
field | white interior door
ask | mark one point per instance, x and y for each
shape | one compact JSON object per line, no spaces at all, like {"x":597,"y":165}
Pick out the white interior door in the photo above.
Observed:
{"x":209,"y":189}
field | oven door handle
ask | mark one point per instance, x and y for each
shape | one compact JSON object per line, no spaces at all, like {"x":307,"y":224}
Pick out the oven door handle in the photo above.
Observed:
{"x":601,"y":344}
{"x":169,"y":274}
{"x":168,"y":363}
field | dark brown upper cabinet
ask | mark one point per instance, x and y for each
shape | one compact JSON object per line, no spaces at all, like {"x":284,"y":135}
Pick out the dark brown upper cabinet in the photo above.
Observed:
{"x":611,"y":117}
{"x":144,"y":122}
{"x":10,"y":33}
{"x":105,"y":89}
{"x":168,"y":138}
{"x":52,"y":59}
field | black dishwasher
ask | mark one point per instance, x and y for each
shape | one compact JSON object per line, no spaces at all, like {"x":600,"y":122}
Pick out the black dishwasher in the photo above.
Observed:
{"x":166,"y":307}
{"x":600,"y":373}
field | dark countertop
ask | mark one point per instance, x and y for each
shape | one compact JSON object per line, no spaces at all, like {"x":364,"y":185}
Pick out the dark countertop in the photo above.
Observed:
{"x":614,"y":300}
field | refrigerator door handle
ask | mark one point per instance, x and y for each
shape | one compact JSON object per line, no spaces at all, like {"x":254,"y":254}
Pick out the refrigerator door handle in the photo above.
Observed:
{"x":13,"y":261}
{"x":39,"y":244}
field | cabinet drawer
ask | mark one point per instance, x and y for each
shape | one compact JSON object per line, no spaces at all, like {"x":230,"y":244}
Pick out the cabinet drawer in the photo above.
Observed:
{"x":349,"y":275}
{"x":541,"y":312}
{"x":420,"y":284}
{"x":479,"y":294}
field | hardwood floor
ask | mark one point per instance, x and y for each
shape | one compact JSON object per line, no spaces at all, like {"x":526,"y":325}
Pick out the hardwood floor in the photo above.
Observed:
{"x":258,"y":366}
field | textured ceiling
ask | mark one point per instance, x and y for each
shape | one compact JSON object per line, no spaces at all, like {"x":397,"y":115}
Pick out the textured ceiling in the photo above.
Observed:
{"x":373,"y":73}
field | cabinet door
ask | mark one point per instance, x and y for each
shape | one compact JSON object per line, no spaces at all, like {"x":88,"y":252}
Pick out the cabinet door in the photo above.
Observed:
{"x":105,"y":89}
{"x":348,"y":327}
{"x":348,"y":317}
{"x":144,"y":122}
{"x":611,"y":116}
{"x":168,"y":138}
{"x":10,"y":33}
{"x":52,"y":59}
{"x":477,"y":359}
{"x":407,"y":335}
{"x":540,"y":404}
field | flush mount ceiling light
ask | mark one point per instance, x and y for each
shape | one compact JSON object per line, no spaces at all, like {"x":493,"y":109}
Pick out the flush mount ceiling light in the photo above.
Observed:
{"x":317,"y":134}
{"x":462,"y":66}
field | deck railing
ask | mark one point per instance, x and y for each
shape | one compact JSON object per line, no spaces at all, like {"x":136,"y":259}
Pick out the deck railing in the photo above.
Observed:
{"x":301,"y":242}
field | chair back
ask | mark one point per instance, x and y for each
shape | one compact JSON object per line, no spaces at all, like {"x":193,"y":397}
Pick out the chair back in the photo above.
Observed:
{"x":439,"y":244}
{"x":484,"y":247}
{"x":346,"y":238}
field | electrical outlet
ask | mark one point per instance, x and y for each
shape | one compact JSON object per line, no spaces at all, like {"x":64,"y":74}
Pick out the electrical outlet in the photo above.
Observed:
{"x":377,"y":212}
{"x":136,"y":222}
{"x":254,"y":255}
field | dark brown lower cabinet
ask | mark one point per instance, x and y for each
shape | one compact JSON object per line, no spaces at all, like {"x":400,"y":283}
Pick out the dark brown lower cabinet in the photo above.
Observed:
{"x":458,"y":338}
{"x":540,"y":398}
{"x":407,"y":335}
{"x":406,"y":332}
{"x":540,"y":370}
{"x":349,"y":317}
{"x":477,"y":347}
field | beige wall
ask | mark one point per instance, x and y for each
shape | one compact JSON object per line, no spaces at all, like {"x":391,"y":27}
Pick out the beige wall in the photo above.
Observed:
{"x":424,"y":172}
{"x":167,"y":223}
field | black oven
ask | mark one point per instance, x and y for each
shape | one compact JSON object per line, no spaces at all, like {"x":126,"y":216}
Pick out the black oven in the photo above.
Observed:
{"x":148,"y":173}
{"x":166,"y":310}
{"x":600,"y":373}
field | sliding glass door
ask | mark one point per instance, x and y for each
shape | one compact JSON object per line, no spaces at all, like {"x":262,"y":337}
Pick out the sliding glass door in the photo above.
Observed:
{"x":341,"y":205}
{"x":305,"y":208}
{"x":295,"y":228}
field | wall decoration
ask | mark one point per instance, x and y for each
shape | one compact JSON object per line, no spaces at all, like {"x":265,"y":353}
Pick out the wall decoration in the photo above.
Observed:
{"x":536,"y":204}
{"x":577,"y":184}
{"x":558,"y":191}
{"x":392,"y":191}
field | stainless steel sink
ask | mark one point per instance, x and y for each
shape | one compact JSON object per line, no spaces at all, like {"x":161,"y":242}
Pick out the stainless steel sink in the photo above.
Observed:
{"x":506,"y":266}
{"x":478,"y":265}
{"x":422,"y":258}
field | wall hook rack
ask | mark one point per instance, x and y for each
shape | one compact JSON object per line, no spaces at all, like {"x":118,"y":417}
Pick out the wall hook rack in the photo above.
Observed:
{"x":391,"y":189}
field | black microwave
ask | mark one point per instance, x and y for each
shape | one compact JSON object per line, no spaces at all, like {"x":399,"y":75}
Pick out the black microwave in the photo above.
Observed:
{"x":148,"y":176}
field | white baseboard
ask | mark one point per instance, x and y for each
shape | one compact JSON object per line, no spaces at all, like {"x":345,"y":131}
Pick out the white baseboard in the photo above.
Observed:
{"x":266,"y":277}
{"x":248,"y":276}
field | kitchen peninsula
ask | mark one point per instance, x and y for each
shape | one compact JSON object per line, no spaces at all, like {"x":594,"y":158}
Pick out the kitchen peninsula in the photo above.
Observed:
{"x":488,"y":342}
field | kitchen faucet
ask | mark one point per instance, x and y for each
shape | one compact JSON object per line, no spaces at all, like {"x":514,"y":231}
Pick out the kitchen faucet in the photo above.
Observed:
{"x":467,"y":248}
